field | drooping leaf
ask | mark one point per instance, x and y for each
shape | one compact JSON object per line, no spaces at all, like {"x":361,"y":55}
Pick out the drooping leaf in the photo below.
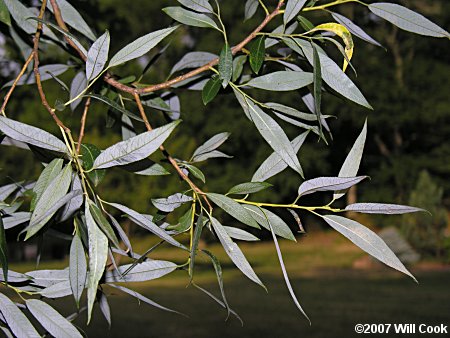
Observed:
{"x":89,"y":154}
{"x":142,"y":298}
{"x":28,"y":134}
{"x":190,"y":18}
{"x":367,"y":240}
{"x":47,"y":72}
{"x":225,"y":64}
{"x":144,"y":222}
{"x":47,"y":278}
{"x":282,"y":81}
{"x":7,"y":190}
{"x":305,"y":23}
{"x":135,"y":148}
{"x":234,"y":252}
{"x":354,"y":28}
{"x":115,"y":106}
{"x":328,"y":184}
{"x":4,"y":14}
{"x":248,"y":188}
{"x":104,"y":307}
{"x":407,"y":19}
{"x":54,"y":192}
{"x":140,"y":46}
{"x":98,"y":254}
{"x":293,"y":7}
{"x":196,"y":172}
{"x":317,"y":86}
{"x":77,"y":268}
{"x":47,"y":176}
{"x":51,"y":319}
{"x":103,"y":223}
{"x":73,"y":18}
{"x":20,"y":13}
{"x":285,"y":275}
{"x":250,"y":8}
{"x":79,"y":83}
{"x":127,"y":128}
{"x":16,"y":219}
{"x":58,"y":290}
{"x":218,"y":270}
{"x":123,"y":236}
{"x":202,"y":6}
{"x":170,"y":203}
{"x":75,"y":203}
{"x":211,"y":89}
{"x":257,"y":51}
{"x":193,"y":60}
{"x":274,"y":136}
{"x":3,"y":250}
{"x":14,"y":277}
{"x":184,"y":222}
{"x":332,"y":74}
{"x":142,"y":272}
{"x":233,"y":208}
{"x":382,"y":208}
{"x":291,"y":111}
{"x":279,"y":226}
{"x":240,"y":234}
{"x":195,"y":241}
{"x":17,"y":322}
{"x":351,"y":164}
{"x":97,"y":56}
{"x":211,"y":154}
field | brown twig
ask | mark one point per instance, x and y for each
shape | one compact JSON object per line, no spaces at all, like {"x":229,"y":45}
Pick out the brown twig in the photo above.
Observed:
{"x":13,"y":86}
{"x":83,"y":123}
{"x":37,"y":74}
{"x":122,"y":87}
{"x":172,"y":161}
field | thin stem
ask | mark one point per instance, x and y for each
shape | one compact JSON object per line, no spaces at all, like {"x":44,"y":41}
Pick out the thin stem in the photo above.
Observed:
{"x":83,"y":124}
{"x":264,"y":7}
{"x":291,"y":206}
{"x":11,"y":90}
{"x":37,"y":74}
{"x":334,"y":3}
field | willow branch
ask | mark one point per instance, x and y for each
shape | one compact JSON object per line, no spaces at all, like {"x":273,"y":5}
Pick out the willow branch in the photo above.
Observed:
{"x":13,"y":86}
{"x":37,"y":74}
{"x":113,"y":82}
{"x":172,"y":161}
{"x":83,"y":123}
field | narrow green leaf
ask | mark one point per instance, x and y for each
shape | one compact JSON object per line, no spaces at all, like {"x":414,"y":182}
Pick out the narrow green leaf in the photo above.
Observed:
{"x":77,"y":268}
{"x":20,"y":13}
{"x":211,"y":89}
{"x":184,"y":223}
{"x":142,"y":272}
{"x":234,"y":252}
{"x":89,"y":153}
{"x":193,"y":60}
{"x":282,"y":81}
{"x":77,"y":86}
{"x":407,"y":19}
{"x":170,"y":203}
{"x":97,"y":56}
{"x":140,"y":46}
{"x":3,"y":250}
{"x":103,"y":223}
{"x":98,"y":254}
{"x":305,"y":23}
{"x":54,"y":192}
{"x":251,"y":7}
{"x":240,"y":234}
{"x":51,"y":319}
{"x":317,"y":87}
{"x":225,"y":64}
{"x":115,"y":106}
{"x":238,"y":66}
{"x":233,"y":208}
{"x":135,"y":148}
{"x":351,"y":164}
{"x":17,"y":322}
{"x":4,"y":13}
{"x":257,"y":50}
{"x":198,"y":5}
{"x":274,"y":136}
{"x":47,"y":73}
{"x":212,"y":144}
{"x":382,"y":208}
{"x":195,"y":241}
{"x":248,"y":188}
{"x":190,"y":18}
{"x":196,"y":172}
{"x":367,"y":240}
{"x":328,"y":184}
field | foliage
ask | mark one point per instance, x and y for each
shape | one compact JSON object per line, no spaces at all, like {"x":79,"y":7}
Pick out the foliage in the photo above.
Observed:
{"x":427,"y":232}
{"x":289,"y":58}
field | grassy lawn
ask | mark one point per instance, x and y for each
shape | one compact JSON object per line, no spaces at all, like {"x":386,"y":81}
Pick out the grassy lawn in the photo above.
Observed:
{"x":335,"y":296}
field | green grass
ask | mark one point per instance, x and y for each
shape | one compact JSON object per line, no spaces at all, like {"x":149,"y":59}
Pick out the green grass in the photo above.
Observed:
{"x":335,"y":296}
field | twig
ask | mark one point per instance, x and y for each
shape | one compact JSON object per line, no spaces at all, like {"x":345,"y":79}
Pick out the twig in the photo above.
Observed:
{"x":113,"y":82}
{"x":37,"y":74}
{"x":11,"y":90}
{"x":83,"y":124}
{"x":172,"y":161}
